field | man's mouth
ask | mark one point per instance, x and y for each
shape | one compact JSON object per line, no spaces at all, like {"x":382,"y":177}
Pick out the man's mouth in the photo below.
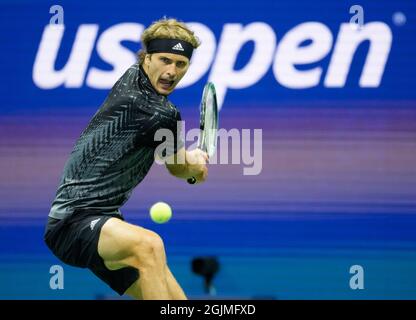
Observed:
{"x":166,"y":84}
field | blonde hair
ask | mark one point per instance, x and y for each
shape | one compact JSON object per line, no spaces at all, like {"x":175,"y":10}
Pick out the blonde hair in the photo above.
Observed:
{"x":167,"y":29}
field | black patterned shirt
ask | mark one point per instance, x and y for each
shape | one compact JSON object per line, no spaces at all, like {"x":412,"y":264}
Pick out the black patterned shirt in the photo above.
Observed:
{"x":116,"y":150}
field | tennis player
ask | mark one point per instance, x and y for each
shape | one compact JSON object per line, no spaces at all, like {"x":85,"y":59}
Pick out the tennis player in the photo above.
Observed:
{"x":112,"y":156}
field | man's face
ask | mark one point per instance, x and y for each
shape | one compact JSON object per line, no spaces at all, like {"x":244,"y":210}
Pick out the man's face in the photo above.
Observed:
{"x":165,"y":70}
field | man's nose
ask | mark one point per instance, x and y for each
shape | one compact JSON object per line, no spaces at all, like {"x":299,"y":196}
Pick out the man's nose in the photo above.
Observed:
{"x":171,"y":72}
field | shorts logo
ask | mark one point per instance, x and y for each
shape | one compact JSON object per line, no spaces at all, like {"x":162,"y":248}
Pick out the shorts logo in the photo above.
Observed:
{"x":93,"y":223}
{"x":178,"y":47}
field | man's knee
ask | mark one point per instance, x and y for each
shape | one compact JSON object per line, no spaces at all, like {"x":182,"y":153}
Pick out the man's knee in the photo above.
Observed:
{"x":149,"y":250}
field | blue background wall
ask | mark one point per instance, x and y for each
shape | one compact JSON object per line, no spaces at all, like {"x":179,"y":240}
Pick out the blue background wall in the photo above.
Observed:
{"x":338,"y":181}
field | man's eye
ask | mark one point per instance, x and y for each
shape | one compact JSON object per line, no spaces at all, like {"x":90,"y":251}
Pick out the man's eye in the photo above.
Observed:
{"x":180,"y":64}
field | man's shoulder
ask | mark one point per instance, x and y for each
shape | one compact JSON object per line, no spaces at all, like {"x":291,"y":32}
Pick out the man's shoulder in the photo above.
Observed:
{"x":129,"y":77}
{"x":125,"y":90}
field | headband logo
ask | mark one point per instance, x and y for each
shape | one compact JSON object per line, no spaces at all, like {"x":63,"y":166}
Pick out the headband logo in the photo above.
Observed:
{"x":178,"y":47}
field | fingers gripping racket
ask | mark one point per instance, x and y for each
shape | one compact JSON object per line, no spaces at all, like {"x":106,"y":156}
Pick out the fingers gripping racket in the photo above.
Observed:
{"x":208,"y":122}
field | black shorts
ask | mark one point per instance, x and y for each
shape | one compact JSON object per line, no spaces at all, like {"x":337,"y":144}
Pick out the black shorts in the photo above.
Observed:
{"x":74,"y":240}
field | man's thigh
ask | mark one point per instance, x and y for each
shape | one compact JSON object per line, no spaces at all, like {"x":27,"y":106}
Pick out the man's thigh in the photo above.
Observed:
{"x":119,"y":242}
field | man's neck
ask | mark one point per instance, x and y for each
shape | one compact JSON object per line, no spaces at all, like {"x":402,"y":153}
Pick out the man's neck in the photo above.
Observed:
{"x":147,"y":81}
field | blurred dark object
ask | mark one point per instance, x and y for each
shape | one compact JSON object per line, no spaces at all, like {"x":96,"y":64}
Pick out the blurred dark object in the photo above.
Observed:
{"x":206,"y":267}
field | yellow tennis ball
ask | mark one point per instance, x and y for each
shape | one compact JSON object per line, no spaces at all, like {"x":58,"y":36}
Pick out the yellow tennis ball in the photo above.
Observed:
{"x":160,"y":212}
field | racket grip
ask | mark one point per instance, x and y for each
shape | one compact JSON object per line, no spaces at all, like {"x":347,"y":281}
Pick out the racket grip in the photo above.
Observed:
{"x":191,"y":180}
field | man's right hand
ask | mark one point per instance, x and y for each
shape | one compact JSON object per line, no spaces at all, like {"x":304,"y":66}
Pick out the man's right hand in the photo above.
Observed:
{"x":196,"y":161}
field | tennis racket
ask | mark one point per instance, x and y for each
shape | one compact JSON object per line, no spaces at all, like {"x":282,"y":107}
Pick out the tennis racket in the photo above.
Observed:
{"x":208,"y":122}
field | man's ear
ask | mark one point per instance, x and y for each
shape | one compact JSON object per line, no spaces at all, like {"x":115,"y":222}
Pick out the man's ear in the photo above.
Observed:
{"x":147,"y":58}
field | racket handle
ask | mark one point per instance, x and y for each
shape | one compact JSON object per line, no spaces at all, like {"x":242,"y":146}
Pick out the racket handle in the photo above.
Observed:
{"x":191,"y":180}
